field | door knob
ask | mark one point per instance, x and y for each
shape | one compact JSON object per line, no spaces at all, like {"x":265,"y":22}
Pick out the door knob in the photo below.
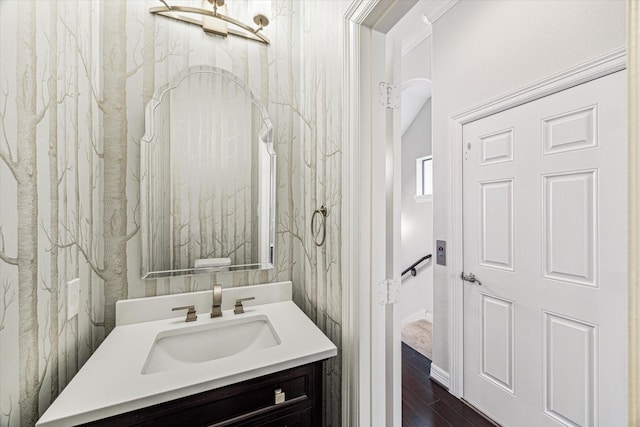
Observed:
{"x":471,"y":278}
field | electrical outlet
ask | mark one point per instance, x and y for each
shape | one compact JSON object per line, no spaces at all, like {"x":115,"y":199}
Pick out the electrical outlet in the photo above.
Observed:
{"x":73,"y":298}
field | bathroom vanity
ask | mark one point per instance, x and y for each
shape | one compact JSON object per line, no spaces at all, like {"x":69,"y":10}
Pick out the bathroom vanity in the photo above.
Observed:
{"x":261,"y":367}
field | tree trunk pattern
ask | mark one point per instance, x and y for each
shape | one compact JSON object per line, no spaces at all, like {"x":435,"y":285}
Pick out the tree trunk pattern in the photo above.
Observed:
{"x":75,"y":322}
{"x":290,"y":123}
{"x":66,"y":262}
{"x":114,"y":108}
{"x":148,"y":87}
{"x":149,"y":58}
{"x":27,"y":179}
{"x":92,"y":186}
{"x":54,"y":196}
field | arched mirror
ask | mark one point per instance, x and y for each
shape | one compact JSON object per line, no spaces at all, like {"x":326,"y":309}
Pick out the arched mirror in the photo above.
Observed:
{"x":207,"y":176}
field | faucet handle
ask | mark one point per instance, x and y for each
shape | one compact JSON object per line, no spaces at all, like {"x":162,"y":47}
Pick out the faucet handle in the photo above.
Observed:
{"x":239,"y":308}
{"x":191,"y":312}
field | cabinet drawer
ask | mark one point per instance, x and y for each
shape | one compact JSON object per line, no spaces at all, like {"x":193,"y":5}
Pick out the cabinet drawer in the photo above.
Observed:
{"x":254,"y":401}
{"x":297,"y":419}
{"x":251,"y":402}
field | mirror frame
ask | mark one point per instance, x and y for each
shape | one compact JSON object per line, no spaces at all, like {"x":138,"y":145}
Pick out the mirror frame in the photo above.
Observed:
{"x":266,"y":137}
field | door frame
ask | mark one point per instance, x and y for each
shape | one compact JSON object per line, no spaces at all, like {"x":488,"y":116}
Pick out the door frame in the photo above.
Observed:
{"x":366,"y":398}
{"x":357,"y":366}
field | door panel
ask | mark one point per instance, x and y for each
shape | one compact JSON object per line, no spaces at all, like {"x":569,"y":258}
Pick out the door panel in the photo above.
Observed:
{"x":496,"y":212}
{"x":570,"y":370}
{"x":570,"y":131}
{"x":544,"y":197}
{"x":569,"y":227}
{"x":497,"y":340}
{"x":496,"y":148}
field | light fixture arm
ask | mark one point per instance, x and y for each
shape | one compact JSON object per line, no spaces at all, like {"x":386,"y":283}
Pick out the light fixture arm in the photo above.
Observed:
{"x":248,"y":33}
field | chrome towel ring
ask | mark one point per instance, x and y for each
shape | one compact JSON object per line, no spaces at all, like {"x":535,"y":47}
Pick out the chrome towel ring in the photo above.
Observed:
{"x":319,"y":231}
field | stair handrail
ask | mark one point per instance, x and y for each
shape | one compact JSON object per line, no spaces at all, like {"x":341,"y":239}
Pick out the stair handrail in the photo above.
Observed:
{"x":412,"y":267}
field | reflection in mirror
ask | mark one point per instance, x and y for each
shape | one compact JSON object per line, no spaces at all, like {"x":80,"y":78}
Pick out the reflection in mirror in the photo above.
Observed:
{"x":207,"y":178}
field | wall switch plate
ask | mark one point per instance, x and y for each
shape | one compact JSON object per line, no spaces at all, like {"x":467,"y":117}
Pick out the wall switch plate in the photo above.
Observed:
{"x":441,"y":252}
{"x":73,"y":298}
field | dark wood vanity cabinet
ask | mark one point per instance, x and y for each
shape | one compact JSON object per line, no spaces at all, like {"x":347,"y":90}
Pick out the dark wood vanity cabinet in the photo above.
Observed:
{"x":249,"y":403}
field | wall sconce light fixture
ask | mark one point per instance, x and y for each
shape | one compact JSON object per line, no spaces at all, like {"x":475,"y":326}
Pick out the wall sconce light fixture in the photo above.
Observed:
{"x":213,"y":19}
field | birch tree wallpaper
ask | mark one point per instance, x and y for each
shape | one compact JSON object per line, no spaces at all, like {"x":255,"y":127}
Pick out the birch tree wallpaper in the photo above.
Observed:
{"x":75,"y":77}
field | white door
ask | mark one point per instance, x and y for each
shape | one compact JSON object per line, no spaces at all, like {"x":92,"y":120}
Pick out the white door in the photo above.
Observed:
{"x":545,"y":220}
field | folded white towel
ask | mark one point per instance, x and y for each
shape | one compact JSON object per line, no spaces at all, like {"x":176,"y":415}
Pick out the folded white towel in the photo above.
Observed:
{"x":212,"y":262}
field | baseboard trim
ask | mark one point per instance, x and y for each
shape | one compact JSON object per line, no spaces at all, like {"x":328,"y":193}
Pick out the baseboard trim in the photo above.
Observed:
{"x":440,"y":376}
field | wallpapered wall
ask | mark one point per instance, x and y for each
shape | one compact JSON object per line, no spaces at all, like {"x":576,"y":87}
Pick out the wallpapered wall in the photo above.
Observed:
{"x":75,"y":76}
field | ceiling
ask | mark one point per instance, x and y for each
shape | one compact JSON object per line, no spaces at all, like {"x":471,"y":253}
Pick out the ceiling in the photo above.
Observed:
{"x":411,"y":30}
{"x":415,"y":25}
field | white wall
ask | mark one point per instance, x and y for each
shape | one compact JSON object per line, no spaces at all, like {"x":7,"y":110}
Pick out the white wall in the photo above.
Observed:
{"x":417,"y":62}
{"x":484,"y":49}
{"x":416,"y":218}
{"x":416,"y":293}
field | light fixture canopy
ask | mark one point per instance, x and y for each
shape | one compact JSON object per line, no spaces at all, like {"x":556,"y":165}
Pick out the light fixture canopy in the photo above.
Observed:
{"x":212,"y":20}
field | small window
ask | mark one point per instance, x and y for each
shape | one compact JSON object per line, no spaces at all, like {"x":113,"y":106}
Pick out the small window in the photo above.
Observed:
{"x":424,"y":179}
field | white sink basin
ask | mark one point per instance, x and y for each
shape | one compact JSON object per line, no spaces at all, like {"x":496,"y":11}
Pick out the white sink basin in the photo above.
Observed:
{"x":202,"y":343}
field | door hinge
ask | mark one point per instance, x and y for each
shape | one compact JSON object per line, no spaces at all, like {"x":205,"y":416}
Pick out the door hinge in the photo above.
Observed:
{"x":389,"y":96}
{"x":389,"y":291}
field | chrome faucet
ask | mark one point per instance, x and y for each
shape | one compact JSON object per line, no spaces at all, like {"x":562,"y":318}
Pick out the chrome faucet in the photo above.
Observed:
{"x":216,"y":308}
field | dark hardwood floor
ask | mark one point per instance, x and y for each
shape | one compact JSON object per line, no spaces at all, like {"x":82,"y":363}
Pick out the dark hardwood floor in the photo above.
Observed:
{"x":425,"y":403}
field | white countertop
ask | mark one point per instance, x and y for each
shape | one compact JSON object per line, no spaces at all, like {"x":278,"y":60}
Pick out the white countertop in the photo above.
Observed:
{"x":111,"y":382}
